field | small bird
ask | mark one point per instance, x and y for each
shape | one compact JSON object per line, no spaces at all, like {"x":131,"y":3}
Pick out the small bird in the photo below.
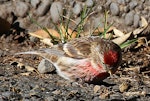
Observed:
{"x":90,"y":59}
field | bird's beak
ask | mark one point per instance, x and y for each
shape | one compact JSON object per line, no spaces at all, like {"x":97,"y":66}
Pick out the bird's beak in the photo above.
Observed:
{"x":110,"y":72}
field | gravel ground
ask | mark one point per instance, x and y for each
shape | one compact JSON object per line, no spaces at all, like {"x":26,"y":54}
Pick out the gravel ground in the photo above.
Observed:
{"x":131,"y":82}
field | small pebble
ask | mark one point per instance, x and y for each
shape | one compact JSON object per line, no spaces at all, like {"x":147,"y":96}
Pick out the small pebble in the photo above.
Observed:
{"x":21,"y":9}
{"x":89,"y":3}
{"x":127,"y":1}
{"x":114,"y":9}
{"x":24,"y":22}
{"x":50,"y":98}
{"x":108,"y":2}
{"x":99,"y":8}
{"x":56,"y":92}
{"x":126,"y":9}
{"x":34,"y":3}
{"x":136,"y":20}
{"x":123,"y":87}
{"x":116,"y":96}
{"x":56,"y":11}
{"x":77,"y":8}
{"x":45,"y":66}
{"x":132,"y":5}
{"x":33,"y":39}
{"x":7,"y":94}
{"x":116,"y":88}
{"x":98,"y":22}
{"x":129,"y":18}
{"x":96,"y":99}
{"x":43,"y":8}
{"x":96,"y":88}
{"x":121,"y":2}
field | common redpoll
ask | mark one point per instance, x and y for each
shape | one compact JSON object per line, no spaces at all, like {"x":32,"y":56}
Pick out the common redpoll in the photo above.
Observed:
{"x":90,"y":59}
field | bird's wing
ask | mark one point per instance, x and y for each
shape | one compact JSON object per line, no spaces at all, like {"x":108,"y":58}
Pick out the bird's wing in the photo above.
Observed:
{"x":77,"y":48}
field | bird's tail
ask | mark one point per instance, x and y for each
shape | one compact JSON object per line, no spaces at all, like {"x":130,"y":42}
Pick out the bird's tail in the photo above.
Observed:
{"x":47,"y":53}
{"x":28,"y":52}
{"x":39,"y":53}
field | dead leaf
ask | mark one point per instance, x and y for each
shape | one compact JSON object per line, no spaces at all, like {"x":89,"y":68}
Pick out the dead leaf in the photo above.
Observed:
{"x":121,"y":39}
{"x":143,"y":26}
{"x":101,"y":29}
{"x":96,"y":88}
{"x":144,"y":22}
{"x":109,"y":35}
{"x":141,"y":41}
{"x":25,"y":74}
{"x":118,"y":32}
{"x":69,"y":34}
{"x":43,"y":34}
{"x":138,"y":93}
{"x":104,"y":95}
{"x":135,"y":69}
{"x":30,"y":69}
{"x":20,"y":65}
{"x":123,"y":87}
{"x":47,"y":41}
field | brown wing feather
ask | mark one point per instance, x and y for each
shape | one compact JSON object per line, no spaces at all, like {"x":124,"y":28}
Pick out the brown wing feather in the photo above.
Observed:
{"x":78,"y":48}
{"x":81,"y":47}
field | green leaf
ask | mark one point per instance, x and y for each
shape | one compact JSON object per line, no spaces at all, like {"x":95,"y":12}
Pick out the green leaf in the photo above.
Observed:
{"x":127,"y":43}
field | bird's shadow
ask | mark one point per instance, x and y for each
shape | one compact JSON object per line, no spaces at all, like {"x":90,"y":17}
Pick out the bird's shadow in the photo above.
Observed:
{"x":104,"y":83}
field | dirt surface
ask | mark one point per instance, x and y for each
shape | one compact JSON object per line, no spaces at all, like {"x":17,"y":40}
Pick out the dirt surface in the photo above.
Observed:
{"x":131,"y":82}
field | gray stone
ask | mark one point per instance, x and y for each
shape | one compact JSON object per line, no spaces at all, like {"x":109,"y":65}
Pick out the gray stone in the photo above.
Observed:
{"x":24,"y":22}
{"x":140,"y":7}
{"x":77,"y":8}
{"x":7,"y":94}
{"x":21,"y":9}
{"x":2,"y":1}
{"x":114,"y":9}
{"x":71,"y":2}
{"x":45,"y":66}
{"x":10,"y":7}
{"x":116,"y":88}
{"x":50,"y":98}
{"x":89,"y":3}
{"x":28,"y":1}
{"x":136,"y":20}
{"x":108,"y":3}
{"x":56,"y":11}
{"x":33,"y":39}
{"x":96,"y":99}
{"x":3,"y":11}
{"x":129,"y":18}
{"x":98,"y":22}
{"x":44,"y":20}
{"x":127,"y":1}
{"x":43,"y":8}
{"x":132,"y":5}
{"x":34,"y":3}
{"x":99,"y":8}
{"x":126,"y":9}
{"x":116,"y":96}
{"x":142,"y":1}
{"x":121,"y":2}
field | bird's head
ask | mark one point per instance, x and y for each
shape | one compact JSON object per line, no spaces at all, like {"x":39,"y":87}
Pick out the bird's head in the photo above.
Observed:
{"x":107,"y":54}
